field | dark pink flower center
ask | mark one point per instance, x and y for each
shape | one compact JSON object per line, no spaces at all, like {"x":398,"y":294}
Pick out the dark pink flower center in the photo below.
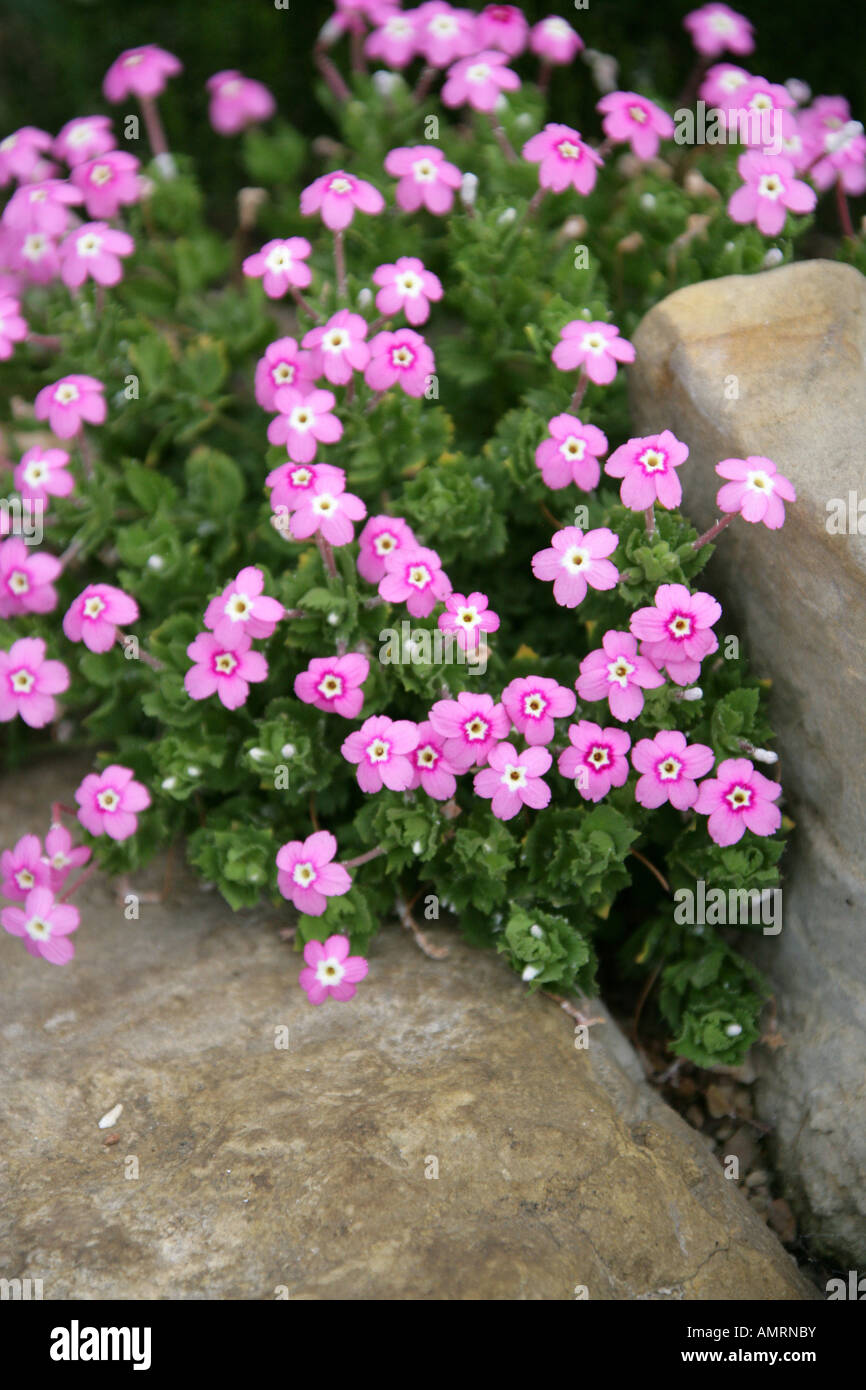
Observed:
{"x":653,"y":460}
{"x":739,"y":797}
{"x":403,"y":357}
{"x":22,"y":681}
{"x":283,"y":374}
{"x":680,"y":626}
{"x":330,"y":686}
{"x":378,"y":750}
{"x":669,"y":769}
{"x":598,"y":757}
{"x":535,"y":704}
{"x":568,"y":149}
{"x":224,"y":663}
{"x":475,"y":729}
{"x":427,"y":757}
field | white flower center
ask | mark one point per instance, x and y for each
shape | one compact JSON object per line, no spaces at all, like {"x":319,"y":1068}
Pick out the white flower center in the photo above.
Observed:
{"x":301,"y":477}
{"x":419,"y":576}
{"x":424,"y":171}
{"x":384,"y":543}
{"x":378,"y":751}
{"x":759,"y":481}
{"x":35,"y":472}
{"x":330,"y":971}
{"x":80,"y":134}
{"x":534,"y":705}
{"x":653,"y":460}
{"x":35,"y":246}
{"x":280,"y":258}
{"x":680,"y":626}
{"x":18,"y":582}
{"x":468,"y":617}
{"x":475,"y":729}
{"x":638,"y":114}
{"x":38,"y":929}
{"x":619,"y":671}
{"x":239,"y":607}
{"x":66,"y":394}
{"x":93,"y":606}
{"x":324,"y":504}
{"x":573,"y":449}
{"x":739,"y":798}
{"x":88,"y":245}
{"x":479,"y":72}
{"x":22,"y":681}
{"x":669,"y":770}
{"x":340,"y":186}
{"x":722,"y":23}
{"x":557,"y":28}
{"x":133,"y":60}
{"x":513,"y":776}
{"x":402,"y":357}
{"x":283,"y":373}
{"x":427,"y":756}
{"x":24,"y":879}
{"x":567,"y":149}
{"x":770,"y":186}
{"x":107,"y":800}
{"x":303,"y":875}
{"x":101,"y":173}
{"x":443,"y":25}
{"x":409,"y":283}
{"x":576,"y":559}
{"x":598,"y":756}
{"x":593,"y":342}
{"x":337,"y":340}
{"x":330,"y":687}
{"x":225,"y":663}
{"x":301,"y":419}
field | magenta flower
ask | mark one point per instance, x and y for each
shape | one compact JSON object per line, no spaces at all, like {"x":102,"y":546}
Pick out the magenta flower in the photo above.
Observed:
{"x":339,"y":348}
{"x":566,"y":160}
{"x":280,"y":265}
{"x":23,"y":869}
{"x":576,"y":561}
{"x":328,"y":509}
{"x":22,"y":152}
{"x":304,"y":422}
{"x":617,"y":673}
{"x":533,"y":702}
{"x":470,"y":726}
{"x":140,"y":72}
{"x":425,"y":177}
{"x":836,"y":144}
{"x":381,"y":537}
{"x":243,"y":606}
{"x":400,"y":359}
{"x":769,"y":191}
{"x":333,"y":684}
{"x":596,"y":347}
{"x":107,"y":182}
{"x":42,"y":474}
{"x":13,"y":328}
{"x":720,"y":84}
{"x":756,"y":490}
{"x":504,"y":27}
{"x":767,"y":108}
{"x":394,"y":41}
{"x":414,"y":576}
{"x":293,"y":482}
{"x":513,"y":780}
{"x":41,"y":207}
{"x":109,"y":802}
{"x":443,"y":33}
{"x":571,"y":454}
{"x":336,"y":197}
{"x":406,"y":285}
{"x":84,"y":138}
{"x":381,"y":748}
{"x":637,"y":120}
{"x":330,"y":972}
{"x":93,"y":250}
{"x":70,"y":402}
{"x":237,"y":102}
{"x":554,"y":40}
{"x":307,"y":877}
{"x":224,"y":667}
{"x":284,"y":364}
{"x":670,"y":768}
{"x":432,"y":770}
{"x":468,"y":616}
{"x":596,"y":760}
{"x":94,"y":617}
{"x":738,"y":799}
{"x":479,"y":81}
{"x":717,"y":29}
{"x":61,"y":856}
{"x":675,"y":633}
{"x":647,"y":467}
{"x":33,"y":255}
{"x":26,"y":577}
{"x":28,"y":682}
{"x":45,"y":925}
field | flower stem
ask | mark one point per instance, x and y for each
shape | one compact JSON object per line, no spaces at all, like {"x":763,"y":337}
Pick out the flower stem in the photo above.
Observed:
{"x":340,"y":264}
{"x":327,"y":553}
{"x":579,"y":391}
{"x":78,"y":883}
{"x":362,"y":858}
{"x":844,"y":211}
{"x":356,"y":43}
{"x":502,"y":139}
{"x":86,"y":454}
{"x":425,"y":82}
{"x":156,"y":136}
{"x":302,"y":304}
{"x":650,"y":515}
{"x":545,"y":72}
{"x":334,"y":81}
{"x":713,"y":531}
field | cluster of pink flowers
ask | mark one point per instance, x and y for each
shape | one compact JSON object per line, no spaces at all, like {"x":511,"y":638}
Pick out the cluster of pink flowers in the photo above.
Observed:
{"x":224,"y":663}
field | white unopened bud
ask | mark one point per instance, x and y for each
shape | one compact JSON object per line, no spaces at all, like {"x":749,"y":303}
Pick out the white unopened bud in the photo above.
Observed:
{"x":774,"y":256}
{"x":257,"y":754}
{"x":506,"y":218}
{"x":469,"y":189}
{"x":535,"y":930}
{"x":365,"y":298}
{"x":694,"y":692}
{"x":801,"y":92}
{"x":385,"y":82}
{"x":648,"y":201}
{"x":734,"y":1030}
{"x":165,"y":165}
{"x":331,"y":30}
{"x":193,"y":772}
{"x":765,"y":755}
{"x":838,"y":139}
{"x":169,"y":784}
{"x":334,"y":619}
{"x":155,"y":562}
{"x":417,"y":847}
{"x":288,"y":750}
{"x":530,"y":972}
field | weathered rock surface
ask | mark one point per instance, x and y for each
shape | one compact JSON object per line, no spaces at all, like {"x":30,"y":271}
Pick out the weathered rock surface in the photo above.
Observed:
{"x":259,"y":1167}
{"x":792,"y":342}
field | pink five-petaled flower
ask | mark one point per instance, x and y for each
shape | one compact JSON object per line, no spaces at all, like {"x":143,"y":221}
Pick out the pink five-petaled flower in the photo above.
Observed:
{"x":22,"y":152}
{"x":140,"y":72}
{"x":61,"y":856}
{"x":26,"y":579}
{"x":284,"y":364}
{"x":306,"y":875}
{"x":280,"y":265}
{"x":107,"y":182}
{"x":717,"y":29}
{"x":633,"y":118}
{"x":224,"y":667}
{"x":565,"y":160}
{"x":836,"y":144}
{"x":42,"y":473}
{"x":68,"y":403}
{"x":381,"y":537}
{"x":769,"y":190}
{"x":28,"y":683}
{"x":23,"y":868}
{"x":333,"y":684}
{"x":293,"y":482}
{"x":756,"y":490}
{"x":675,"y":633}
{"x":766,"y":109}
{"x":720,"y":83}
{"x":433,"y":772}
{"x":406,"y":285}
{"x":468,"y":615}
{"x":479,"y":80}
{"x":339,"y":347}
{"x":738,"y":799}
{"x":41,"y":207}
{"x":576,"y":561}
{"x":94,"y":250}
{"x":393,"y":41}
{"x":572,"y":454}
{"x":45,"y":925}
{"x":237,"y":102}
{"x":554,"y":40}
{"x":35,"y":256}
{"x":443,"y":33}
{"x":109,"y":802}
{"x":670,"y":768}
{"x":336,"y":196}
{"x":504,"y":27}
{"x":617,"y":673}
{"x":13,"y":328}
{"x":513,"y":779}
{"x":330,"y":972}
{"x":647,"y":467}
{"x":400,"y":359}
{"x":83,"y":138}
{"x":533,"y":702}
{"x":304,"y":421}
{"x":94,"y":617}
{"x":243,"y":606}
{"x":381,"y":748}
{"x":425,"y":177}
{"x":414,"y":576}
{"x":470,"y":726}
{"x":596,"y":760}
{"x":328,"y":509}
{"x":596,"y":346}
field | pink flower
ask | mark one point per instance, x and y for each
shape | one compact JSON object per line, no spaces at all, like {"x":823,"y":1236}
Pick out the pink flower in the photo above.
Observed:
{"x":616,"y":673}
{"x":304,"y":422}
{"x":41,"y":207}
{"x":770,"y":188}
{"x":394,"y":41}
{"x":42,"y":474}
{"x":23,"y":869}
{"x":109,"y":802}
{"x":554,"y":40}
{"x":237,"y":102}
{"x":307,"y":877}
{"x":28,"y":682}
{"x":596,"y":346}
{"x":336,"y":196}
{"x":756,"y":490}
{"x":829,"y":132}
{"x":34,"y":255}
{"x":432,"y":770}
{"x":676,"y":632}
{"x":333,"y":684}
{"x":533,"y":702}
{"x":381,"y":748}
{"x":716,"y":29}
{"x":61,"y":856}
{"x":66,"y":404}
{"x":479,"y":80}
{"x":107,"y":182}
{"x":244,"y":607}
{"x":646,"y":465}
{"x":637,"y":120}
{"x":328,"y":509}
{"x":280,"y":265}
{"x":293,"y":482}
{"x":45,"y":925}
{"x":470,"y":726}
{"x":84,"y":138}
{"x":414,"y":576}
{"x":224,"y":667}
{"x":284,"y":364}
{"x":504,"y":27}
{"x":468,"y":616}
{"x":13,"y":328}
{"x":26,"y":579}
{"x":381,"y":537}
{"x":766,"y":112}
{"x":736,"y":800}
{"x":576,"y":561}
{"x":670,"y":767}
{"x":339,"y":348}
{"x":140,"y":72}
{"x":596,"y":760}
{"x":444,"y":33}
{"x":425,"y":177}
{"x":513,"y":779}
{"x":566,"y":160}
{"x":406,"y":285}
{"x":720,"y":84}
{"x":572,"y":454}
{"x":93,"y":250}
{"x":400,"y":359}
{"x":330,"y":971}
{"x":22,"y":152}
{"x":94,"y":617}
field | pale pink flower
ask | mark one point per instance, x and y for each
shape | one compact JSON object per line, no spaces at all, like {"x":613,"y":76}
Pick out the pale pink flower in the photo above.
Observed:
{"x":284,"y":364}
{"x":34,"y":255}
{"x":307,"y":878}
{"x":23,"y":869}
{"x":595,"y":346}
{"x":533,"y":702}
{"x":94,"y":617}
{"x":293,"y":482}
{"x":675,"y":632}
{"x":327,"y":509}
{"x":381,"y":537}
{"x":513,"y":780}
{"x":721,"y":83}
{"x":565,"y":160}
{"x":479,"y":81}
{"x":637,"y":120}
{"x":409,"y":286}
{"x":554,"y":40}
{"x":470,"y":726}
{"x":243,"y":606}
{"x":468,"y":616}
{"x":829,"y":132}
{"x":575,"y":562}
{"x":333,"y":684}
{"x":108,"y":182}
{"x":280,"y":265}
{"x":61,"y":856}
{"x":42,"y":473}
{"x":756,"y":490}
{"x":44,"y":924}
{"x":425,"y":177}
{"x":433,"y":772}
{"x":762,"y":112}
{"x":596,"y":760}
{"x":237,"y":102}
{"x":304,"y":421}
{"x":330,"y":972}
{"x":338,"y":348}
{"x":223,"y":667}
{"x":93,"y":250}
{"x":571,"y":454}
{"x":504,"y":27}
{"x":109,"y":802}
{"x":70,"y":402}
{"x":400,"y":359}
{"x":22,"y":152}
{"x":336,"y":197}
{"x":41,"y":207}
{"x":670,"y":768}
{"x":381,"y":749}
{"x":26,"y":577}
{"x":13,"y":328}
{"x":394,"y":41}
{"x":140,"y":72}
{"x":84,"y":138}
{"x":444,"y":33}
{"x":718,"y":29}
{"x":647,"y":466}
{"x":28,"y":683}
{"x":616,"y":673}
{"x":738,"y":799}
{"x":414,"y":576}
{"x":769,"y":190}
